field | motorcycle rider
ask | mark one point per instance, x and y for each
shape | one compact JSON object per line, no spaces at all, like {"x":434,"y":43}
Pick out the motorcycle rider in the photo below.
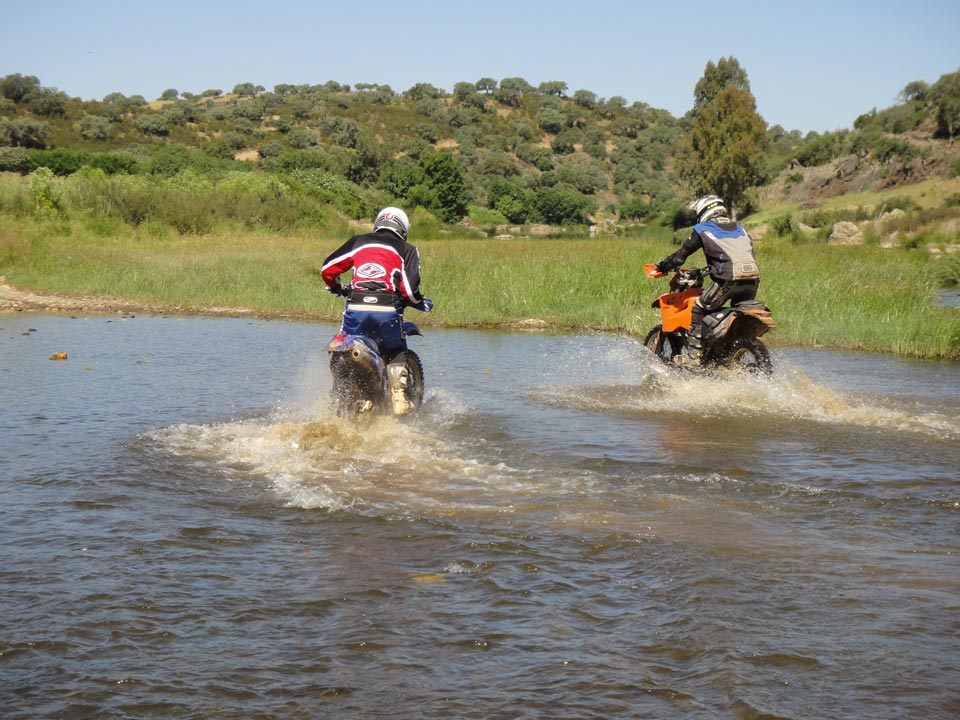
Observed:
{"x":731,"y":261}
{"x":386,"y":279}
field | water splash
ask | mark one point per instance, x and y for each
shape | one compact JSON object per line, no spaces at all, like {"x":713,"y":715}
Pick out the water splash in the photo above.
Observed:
{"x":377,"y":466}
{"x":651,"y":387}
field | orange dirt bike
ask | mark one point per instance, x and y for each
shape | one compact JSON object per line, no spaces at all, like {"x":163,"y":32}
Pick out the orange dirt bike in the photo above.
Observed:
{"x":730,"y":335}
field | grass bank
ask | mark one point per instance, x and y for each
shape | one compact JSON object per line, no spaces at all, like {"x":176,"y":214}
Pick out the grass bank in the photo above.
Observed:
{"x":863,"y":297}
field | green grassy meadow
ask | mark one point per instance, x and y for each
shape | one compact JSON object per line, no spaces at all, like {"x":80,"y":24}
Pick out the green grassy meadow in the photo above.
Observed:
{"x":864,"y":297}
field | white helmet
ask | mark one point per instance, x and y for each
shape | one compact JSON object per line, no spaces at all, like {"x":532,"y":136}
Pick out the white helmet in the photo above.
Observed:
{"x":394,"y":219}
{"x":706,"y":207}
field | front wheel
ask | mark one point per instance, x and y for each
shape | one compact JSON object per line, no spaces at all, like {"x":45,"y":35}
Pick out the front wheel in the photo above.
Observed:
{"x":414,"y":379}
{"x":660,"y":344}
{"x":750,"y":354}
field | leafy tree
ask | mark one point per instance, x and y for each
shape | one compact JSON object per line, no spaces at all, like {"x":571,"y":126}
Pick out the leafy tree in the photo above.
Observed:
{"x":552,"y":121}
{"x":19,"y":88}
{"x":539,"y":157}
{"x":727,"y":145}
{"x":174,"y":115}
{"x":486,"y":85}
{"x":945,"y":95}
{"x":552,"y":87}
{"x":636,"y":209}
{"x":25,"y":133}
{"x":152,"y":125}
{"x":586,"y":178}
{"x":49,"y":101}
{"x":398,"y":176}
{"x":561,"y":205}
{"x":716,"y":77}
{"x":94,"y":127}
{"x":245,"y":89}
{"x":301,"y":139}
{"x":424,"y":90}
{"x":169,"y":94}
{"x":365,"y":163}
{"x":462,"y":91}
{"x":585,"y":98}
{"x":565,"y":142}
{"x":446,"y":181}
{"x":511,"y":91}
{"x":916,"y":90}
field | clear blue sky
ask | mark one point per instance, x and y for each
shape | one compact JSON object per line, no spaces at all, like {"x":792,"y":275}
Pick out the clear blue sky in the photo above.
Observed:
{"x":812,"y":65}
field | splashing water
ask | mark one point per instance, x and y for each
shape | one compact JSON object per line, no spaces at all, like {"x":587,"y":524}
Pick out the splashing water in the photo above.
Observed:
{"x":789,"y":394}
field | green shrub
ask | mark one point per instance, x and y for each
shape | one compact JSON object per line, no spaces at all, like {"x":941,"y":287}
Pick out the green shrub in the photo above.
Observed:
{"x":793,"y":179}
{"x":61,"y":161}
{"x":45,"y":193}
{"x":785,"y":226}
{"x":114,"y":163}
{"x":14,"y":159}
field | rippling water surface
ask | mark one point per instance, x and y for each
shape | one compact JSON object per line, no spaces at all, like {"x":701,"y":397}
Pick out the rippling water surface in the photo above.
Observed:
{"x":567,"y":530}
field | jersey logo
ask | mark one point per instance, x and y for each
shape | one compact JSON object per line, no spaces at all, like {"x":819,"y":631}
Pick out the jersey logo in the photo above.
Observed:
{"x":371,"y":270}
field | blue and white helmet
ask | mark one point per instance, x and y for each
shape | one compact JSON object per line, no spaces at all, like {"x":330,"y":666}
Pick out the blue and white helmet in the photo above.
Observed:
{"x":394,"y":219}
{"x":706,"y":207}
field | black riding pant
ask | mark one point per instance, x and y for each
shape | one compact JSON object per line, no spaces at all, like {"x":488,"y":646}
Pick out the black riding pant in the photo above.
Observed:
{"x":714,"y":297}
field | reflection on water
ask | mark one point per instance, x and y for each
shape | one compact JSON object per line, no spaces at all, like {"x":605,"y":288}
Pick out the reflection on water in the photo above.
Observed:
{"x":567,"y":527}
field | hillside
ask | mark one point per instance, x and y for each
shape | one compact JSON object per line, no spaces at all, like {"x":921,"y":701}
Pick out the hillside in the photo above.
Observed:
{"x":486,"y":155}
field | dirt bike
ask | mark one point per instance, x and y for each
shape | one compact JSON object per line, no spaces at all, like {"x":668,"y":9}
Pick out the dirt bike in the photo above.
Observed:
{"x":361,"y":380}
{"x":730,"y":335}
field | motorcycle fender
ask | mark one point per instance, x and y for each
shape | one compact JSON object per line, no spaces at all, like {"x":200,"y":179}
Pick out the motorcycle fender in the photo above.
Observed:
{"x":676,"y":308}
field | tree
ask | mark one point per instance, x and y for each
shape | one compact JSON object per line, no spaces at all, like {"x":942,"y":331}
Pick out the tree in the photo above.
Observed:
{"x":511,"y":91}
{"x":552,"y":121}
{"x":552,"y":87}
{"x":169,"y":94}
{"x":726,"y":145}
{"x":94,"y":127}
{"x":916,"y":90}
{"x":945,"y":95}
{"x":49,"y":101}
{"x":246,"y":88}
{"x":486,"y":85}
{"x":152,"y":125}
{"x":424,"y":90}
{"x":19,"y":87}
{"x":585,"y":98}
{"x":463,"y":90}
{"x":445,"y":180}
{"x":716,"y":77}
{"x":24,"y":132}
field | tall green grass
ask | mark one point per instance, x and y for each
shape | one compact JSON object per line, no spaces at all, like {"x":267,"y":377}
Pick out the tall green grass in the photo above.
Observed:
{"x":846,"y":297}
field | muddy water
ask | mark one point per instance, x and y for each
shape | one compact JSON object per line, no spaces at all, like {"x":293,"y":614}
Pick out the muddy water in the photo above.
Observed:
{"x":565,"y":531}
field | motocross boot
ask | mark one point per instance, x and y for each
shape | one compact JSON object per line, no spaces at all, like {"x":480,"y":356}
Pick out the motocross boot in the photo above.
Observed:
{"x":689,"y":357}
{"x":397,"y":384}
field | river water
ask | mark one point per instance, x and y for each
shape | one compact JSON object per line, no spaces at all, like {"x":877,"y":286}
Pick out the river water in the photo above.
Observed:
{"x":566,"y":530}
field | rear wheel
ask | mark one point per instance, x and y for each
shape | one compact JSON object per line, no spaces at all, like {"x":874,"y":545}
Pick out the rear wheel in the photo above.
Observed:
{"x":348,"y":392}
{"x":751,"y":355}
